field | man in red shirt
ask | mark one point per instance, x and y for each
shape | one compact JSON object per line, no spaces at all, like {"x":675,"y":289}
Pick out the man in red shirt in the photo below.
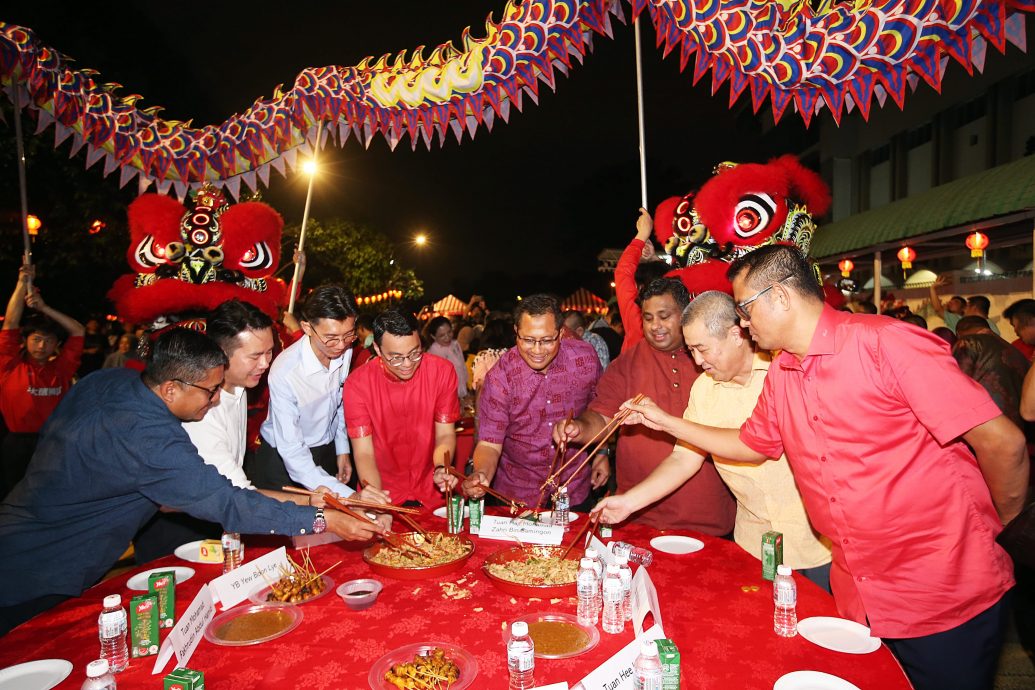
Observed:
{"x":400,"y":412}
{"x":32,"y":379}
{"x":875,"y":418}
{"x":659,"y":366}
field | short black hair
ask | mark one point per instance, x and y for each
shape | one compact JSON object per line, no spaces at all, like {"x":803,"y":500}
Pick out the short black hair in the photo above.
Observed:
{"x":365,"y":321}
{"x":329,"y":302}
{"x":183,"y":354}
{"x":971,"y":323}
{"x":395,"y":322}
{"x":1023,"y":310}
{"x":435,"y":324}
{"x":232,"y":318}
{"x":498,"y":334}
{"x":45,"y":326}
{"x":981,"y":303}
{"x":916,"y":320}
{"x":778,"y":263}
{"x":578,"y":316}
{"x":867,"y":307}
{"x":539,"y":305}
{"x":649,"y":271}
{"x":665,"y":286}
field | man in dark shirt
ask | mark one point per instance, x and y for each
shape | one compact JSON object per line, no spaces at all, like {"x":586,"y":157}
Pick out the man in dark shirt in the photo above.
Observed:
{"x":109,"y":456}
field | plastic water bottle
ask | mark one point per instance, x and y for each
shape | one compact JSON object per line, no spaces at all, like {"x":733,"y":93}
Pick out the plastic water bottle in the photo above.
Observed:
{"x":111,"y":628}
{"x":634,"y":553}
{"x":613,"y":616}
{"x":625,"y":574}
{"x":98,"y":677}
{"x":521,"y":657}
{"x":598,"y":568}
{"x":561,"y":506}
{"x":647,"y":668}
{"x":233,"y":551}
{"x":587,"y":588}
{"x":785,"y":597}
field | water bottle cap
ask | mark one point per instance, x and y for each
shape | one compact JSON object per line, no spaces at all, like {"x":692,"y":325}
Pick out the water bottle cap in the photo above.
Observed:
{"x":518,"y":629}
{"x":112,"y":600}
{"x":783,"y":570}
{"x":591,"y":553}
{"x":612,"y":568}
{"x":622,"y":560}
{"x":586,"y":563}
{"x":96,"y":669}
{"x":648,"y":648}
{"x":562,"y":490}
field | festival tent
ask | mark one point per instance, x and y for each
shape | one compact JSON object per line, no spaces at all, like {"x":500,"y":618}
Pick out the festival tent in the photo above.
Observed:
{"x":585,"y":301}
{"x":449,"y":305}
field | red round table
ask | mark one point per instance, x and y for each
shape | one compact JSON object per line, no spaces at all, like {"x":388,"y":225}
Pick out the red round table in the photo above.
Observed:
{"x":722,"y":625}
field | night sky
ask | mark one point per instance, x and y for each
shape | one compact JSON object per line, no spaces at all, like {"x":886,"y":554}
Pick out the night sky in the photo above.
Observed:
{"x":523,"y":208}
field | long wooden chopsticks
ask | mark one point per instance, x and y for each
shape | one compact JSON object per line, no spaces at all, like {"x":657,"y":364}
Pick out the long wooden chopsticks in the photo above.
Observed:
{"x":389,"y":539}
{"x":562,"y":448}
{"x":357,"y":502}
{"x":402,"y":512}
{"x":591,"y":525}
{"x":489,"y":490}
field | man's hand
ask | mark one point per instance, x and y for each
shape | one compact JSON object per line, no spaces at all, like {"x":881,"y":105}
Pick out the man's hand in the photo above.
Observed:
{"x":613,"y":509}
{"x":647,"y":413}
{"x":344,"y":468}
{"x":601,"y":471}
{"x":474,"y":486}
{"x":444,"y":479}
{"x":26,"y":274}
{"x":374,"y":495}
{"x":644,"y":225}
{"x":316,"y":500}
{"x":566,"y":431}
{"x":34,"y":300}
{"x":350,"y":528}
{"x":385,"y":520}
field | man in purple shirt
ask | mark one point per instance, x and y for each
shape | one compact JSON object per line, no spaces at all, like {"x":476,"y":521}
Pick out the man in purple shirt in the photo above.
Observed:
{"x":535,"y":384}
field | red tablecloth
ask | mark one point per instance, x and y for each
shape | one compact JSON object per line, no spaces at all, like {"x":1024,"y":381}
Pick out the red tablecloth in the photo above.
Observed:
{"x":724,"y":633}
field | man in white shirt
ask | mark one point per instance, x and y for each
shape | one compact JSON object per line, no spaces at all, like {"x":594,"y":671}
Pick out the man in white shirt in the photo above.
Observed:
{"x":303,"y":438}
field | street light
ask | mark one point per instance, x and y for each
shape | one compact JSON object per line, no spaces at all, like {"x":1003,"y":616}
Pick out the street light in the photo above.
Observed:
{"x":420,"y":240}
{"x":309,"y":167}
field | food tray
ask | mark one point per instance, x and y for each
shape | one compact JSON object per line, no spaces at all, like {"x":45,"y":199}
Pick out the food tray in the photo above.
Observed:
{"x":517,"y":553}
{"x":461,"y":657}
{"x":421,"y":572}
{"x":592,"y":635}
{"x":289,"y":617}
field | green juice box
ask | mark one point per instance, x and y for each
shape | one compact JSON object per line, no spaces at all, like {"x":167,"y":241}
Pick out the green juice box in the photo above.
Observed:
{"x":143,"y":625}
{"x":163,"y":584}
{"x":185,"y":679}
{"x":669,"y":655}
{"x":772,"y":554}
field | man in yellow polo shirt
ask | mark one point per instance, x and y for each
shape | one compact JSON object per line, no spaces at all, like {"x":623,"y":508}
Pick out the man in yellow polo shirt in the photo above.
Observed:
{"x":767,"y":498}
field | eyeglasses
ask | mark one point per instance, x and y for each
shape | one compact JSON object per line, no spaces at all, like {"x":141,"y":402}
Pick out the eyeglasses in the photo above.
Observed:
{"x":399,"y":360}
{"x":334,"y":340}
{"x":542,"y":342}
{"x":211,"y":391}
{"x":742,"y":307}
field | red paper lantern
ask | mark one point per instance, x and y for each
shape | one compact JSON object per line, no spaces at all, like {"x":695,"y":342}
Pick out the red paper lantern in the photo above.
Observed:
{"x":977,"y":243}
{"x":906,"y":256}
{"x":846,"y":267}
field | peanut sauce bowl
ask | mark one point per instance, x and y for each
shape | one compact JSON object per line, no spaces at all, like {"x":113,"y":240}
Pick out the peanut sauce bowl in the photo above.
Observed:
{"x":530,"y":589}
{"x":418,"y":570}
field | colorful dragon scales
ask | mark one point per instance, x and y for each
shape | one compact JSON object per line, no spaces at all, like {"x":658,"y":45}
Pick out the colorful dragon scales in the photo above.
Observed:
{"x":838,"y":54}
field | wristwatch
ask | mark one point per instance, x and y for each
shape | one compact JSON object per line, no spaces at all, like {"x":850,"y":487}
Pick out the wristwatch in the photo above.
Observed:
{"x":319,"y":522}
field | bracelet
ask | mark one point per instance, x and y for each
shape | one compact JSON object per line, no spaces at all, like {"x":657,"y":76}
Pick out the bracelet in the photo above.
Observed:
{"x":439,"y":467}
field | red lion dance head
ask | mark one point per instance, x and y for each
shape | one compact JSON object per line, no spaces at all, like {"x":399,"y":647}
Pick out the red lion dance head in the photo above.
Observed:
{"x":743,"y":207}
{"x":190,"y":260}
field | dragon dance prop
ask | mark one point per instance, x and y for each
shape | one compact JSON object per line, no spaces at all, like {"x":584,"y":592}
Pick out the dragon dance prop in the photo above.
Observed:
{"x":832,"y":54}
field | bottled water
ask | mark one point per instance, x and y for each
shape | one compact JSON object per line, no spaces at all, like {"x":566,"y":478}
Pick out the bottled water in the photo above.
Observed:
{"x":647,"y":668}
{"x":561,"y":506}
{"x":233,"y":551}
{"x":521,"y":657}
{"x":588,"y":591}
{"x":111,"y":629}
{"x":634,"y":553}
{"x":625,"y":574}
{"x":598,"y":568}
{"x":785,"y":598}
{"x":98,"y":677}
{"x":613,"y":616}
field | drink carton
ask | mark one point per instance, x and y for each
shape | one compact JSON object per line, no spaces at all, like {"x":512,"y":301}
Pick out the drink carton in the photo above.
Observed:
{"x":163,"y":584}
{"x":669,"y":655}
{"x":185,"y":679}
{"x":143,"y":625}
{"x":772,"y":554}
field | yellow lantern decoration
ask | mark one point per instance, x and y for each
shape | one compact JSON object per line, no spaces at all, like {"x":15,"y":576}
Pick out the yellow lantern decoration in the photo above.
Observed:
{"x":906,"y":256}
{"x":846,"y":267}
{"x":977,"y":243}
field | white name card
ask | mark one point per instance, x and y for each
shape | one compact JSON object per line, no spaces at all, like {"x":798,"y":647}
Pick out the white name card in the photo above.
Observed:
{"x":553,"y":686}
{"x":235,"y":586}
{"x":617,"y":672}
{"x":506,"y":529}
{"x":185,"y":635}
{"x":644,"y":600}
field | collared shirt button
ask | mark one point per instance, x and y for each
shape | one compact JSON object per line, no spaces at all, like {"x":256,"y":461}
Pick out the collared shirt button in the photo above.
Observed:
{"x":833,"y":499}
{"x":675,"y":385}
{"x":675,"y":371}
{"x":822,"y":458}
{"x":844,"y":541}
{"x":815,"y":418}
{"x":301,"y":531}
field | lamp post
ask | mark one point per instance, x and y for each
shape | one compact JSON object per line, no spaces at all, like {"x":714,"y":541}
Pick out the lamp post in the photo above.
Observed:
{"x":310,"y":168}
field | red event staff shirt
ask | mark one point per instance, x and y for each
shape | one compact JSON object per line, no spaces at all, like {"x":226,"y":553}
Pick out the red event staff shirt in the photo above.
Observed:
{"x":703,"y":503}
{"x":518,"y":407}
{"x":401,"y":416}
{"x":29,"y":392}
{"x":870,"y":421}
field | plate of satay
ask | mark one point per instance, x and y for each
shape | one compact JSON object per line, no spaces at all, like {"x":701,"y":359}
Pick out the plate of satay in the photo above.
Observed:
{"x":424,"y":666}
{"x":417,"y":556}
{"x":533,"y":571}
{"x":298,"y":583}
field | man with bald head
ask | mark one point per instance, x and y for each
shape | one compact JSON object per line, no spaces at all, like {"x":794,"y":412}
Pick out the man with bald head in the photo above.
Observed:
{"x":912,"y":486}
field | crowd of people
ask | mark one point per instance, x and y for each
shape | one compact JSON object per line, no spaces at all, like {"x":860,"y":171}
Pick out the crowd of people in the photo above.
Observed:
{"x":765,"y":410}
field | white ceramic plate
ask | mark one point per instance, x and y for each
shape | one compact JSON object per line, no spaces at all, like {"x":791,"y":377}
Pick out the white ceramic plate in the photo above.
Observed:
{"x":139,"y":581}
{"x":546,"y":517}
{"x":812,"y":680}
{"x":673,"y":543}
{"x":35,"y":675}
{"x":441,"y":512}
{"x":838,"y":634}
{"x":191,"y":552}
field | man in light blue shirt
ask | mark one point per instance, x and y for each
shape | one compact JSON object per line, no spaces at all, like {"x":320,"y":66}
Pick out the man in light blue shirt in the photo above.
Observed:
{"x":303,"y":438}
